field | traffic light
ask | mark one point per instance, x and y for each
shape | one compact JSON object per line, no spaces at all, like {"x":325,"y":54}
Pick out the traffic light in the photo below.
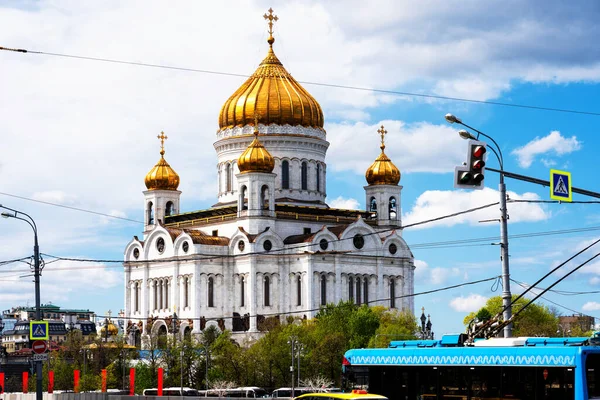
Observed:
{"x":471,"y":175}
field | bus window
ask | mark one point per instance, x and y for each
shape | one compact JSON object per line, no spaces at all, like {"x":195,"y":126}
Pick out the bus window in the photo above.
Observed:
{"x":592,"y":365}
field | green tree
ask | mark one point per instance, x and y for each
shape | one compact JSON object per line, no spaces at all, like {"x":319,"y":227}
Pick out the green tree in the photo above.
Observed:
{"x":362,"y":324}
{"x":535,"y":320}
{"x":394,"y":325}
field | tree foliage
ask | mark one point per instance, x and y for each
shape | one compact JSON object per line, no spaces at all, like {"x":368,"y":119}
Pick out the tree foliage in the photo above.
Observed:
{"x":535,"y":320}
{"x":319,"y":345}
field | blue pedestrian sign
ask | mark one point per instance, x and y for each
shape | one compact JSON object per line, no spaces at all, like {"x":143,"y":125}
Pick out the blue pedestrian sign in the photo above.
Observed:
{"x":38,"y":330}
{"x":560,"y":185}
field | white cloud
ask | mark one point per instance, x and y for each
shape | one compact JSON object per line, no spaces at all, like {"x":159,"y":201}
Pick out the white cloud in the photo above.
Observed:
{"x":472,"y":302}
{"x":591,"y":306}
{"x":404,"y":146}
{"x":340,"y":202}
{"x":60,"y":281}
{"x":55,"y":196}
{"x":435,"y":276}
{"x":554,"y":143}
{"x":422,"y":270}
{"x":436,"y":203}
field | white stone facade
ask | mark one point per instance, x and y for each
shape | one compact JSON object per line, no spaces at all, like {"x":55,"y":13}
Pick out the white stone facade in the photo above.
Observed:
{"x":213,"y":282}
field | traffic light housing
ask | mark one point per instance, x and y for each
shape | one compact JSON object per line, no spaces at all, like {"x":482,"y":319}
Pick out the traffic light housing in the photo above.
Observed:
{"x":471,"y":175}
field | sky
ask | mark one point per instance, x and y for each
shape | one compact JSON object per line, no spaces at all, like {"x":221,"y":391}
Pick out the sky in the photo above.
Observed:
{"x":81,"y":134}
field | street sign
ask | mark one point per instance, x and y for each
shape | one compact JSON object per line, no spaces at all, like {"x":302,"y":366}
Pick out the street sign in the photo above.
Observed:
{"x":39,"y":347}
{"x":40,"y":357}
{"x":560,"y":185}
{"x":38,"y":330}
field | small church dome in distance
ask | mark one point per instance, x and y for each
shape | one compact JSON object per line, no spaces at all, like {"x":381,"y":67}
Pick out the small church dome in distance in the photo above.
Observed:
{"x":382,"y":171}
{"x":256,"y":158}
{"x":162,"y":176}
{"x":112,"y":329}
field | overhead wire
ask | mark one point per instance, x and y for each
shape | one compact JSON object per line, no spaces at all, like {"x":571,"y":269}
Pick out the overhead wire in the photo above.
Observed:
{"x":525,"y":286}
{"x":387,"y":299}
{"x":516,"y":314}
{"x":329,"y":85}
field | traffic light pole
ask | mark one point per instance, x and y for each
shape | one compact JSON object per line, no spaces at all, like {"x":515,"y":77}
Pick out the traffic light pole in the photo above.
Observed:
{"x":506,"y":295}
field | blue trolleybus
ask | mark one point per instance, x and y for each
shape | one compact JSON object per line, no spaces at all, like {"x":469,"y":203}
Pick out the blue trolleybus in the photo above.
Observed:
{"x":513,"y":368}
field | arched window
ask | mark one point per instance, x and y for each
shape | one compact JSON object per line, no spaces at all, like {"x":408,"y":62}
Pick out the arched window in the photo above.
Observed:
{"x":242,"y":291}
{"x":228,"y":178}
{"x":392,"y":294}
{"x":366,"y":291}
{"x":373,"y":207}
{"x":304,"y":175}
{"x":219,"y":177}
{"x":243,"y":194}
{"x":150,"y":213}
{"x":267,"y":293}
{"x":166,"y":294}
{"x":155,"y":295}
{"x":393,"y":208}
{"x":351,"y":288}
{"x":186,"y":292}
{"x":318,"y":177}
{"x":160,"y":294}
{"x":299,"y":291}
{"x":264,"y":197}
{"x":323,"y":290}
{"x":211,"y":292}
{"x":358,"y":292}
{"x":285,"y":174}
{"x":169,"y":208}
{"x":136,"y":296}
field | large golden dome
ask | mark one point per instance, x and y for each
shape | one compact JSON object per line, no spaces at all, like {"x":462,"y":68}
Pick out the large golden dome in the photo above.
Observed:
{"x":162,"y":176}
{"x":382,"y":171}
{"x":272,"y":93}
{"x":256,"y":158}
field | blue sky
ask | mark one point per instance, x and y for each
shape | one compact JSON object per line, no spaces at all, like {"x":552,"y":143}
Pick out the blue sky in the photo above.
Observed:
{"x":83,"y":134}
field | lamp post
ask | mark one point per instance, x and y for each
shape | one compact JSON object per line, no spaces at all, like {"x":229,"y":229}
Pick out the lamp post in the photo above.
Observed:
{"x":175,"y":329}
{"x":300,"y":348}
{"x":36,"y":273}
{"x":206,"y":354}
{"x":1,"y":347}
{"x":295,"y":346}
{"x":506,"y":296}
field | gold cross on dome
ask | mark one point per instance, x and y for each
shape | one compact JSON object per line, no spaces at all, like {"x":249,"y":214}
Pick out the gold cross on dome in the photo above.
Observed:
{"x":423,"y":310}
{"x":382,"y":132}
{"x":162,"y":138}
{"x":271,"y":18}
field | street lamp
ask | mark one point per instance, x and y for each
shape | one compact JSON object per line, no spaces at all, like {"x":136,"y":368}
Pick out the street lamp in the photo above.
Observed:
{"x":295,"y":346}
{"x":1,"y":347}
{"x":206,"y":355}
{"x":36,"y":273}
{"x":506,"y":296}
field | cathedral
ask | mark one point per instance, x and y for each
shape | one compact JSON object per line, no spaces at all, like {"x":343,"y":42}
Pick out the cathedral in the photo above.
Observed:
{"x":270,"y":249}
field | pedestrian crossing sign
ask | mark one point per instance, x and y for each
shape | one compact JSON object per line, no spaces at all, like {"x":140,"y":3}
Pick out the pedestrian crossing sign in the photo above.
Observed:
{"x":560,"y":185}
{"x":38,"y":330}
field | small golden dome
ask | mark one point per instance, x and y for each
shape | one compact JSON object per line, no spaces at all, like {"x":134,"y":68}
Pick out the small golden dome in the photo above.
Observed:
{"x":256,"y":158}
{"x":382,"y":171}
{"x":162,"y":176}
{"x":112,"y":329}
{"x":274,"y":94}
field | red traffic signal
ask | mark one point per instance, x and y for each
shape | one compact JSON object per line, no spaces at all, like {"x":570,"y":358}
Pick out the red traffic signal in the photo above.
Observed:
{"x":471,"y":176}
